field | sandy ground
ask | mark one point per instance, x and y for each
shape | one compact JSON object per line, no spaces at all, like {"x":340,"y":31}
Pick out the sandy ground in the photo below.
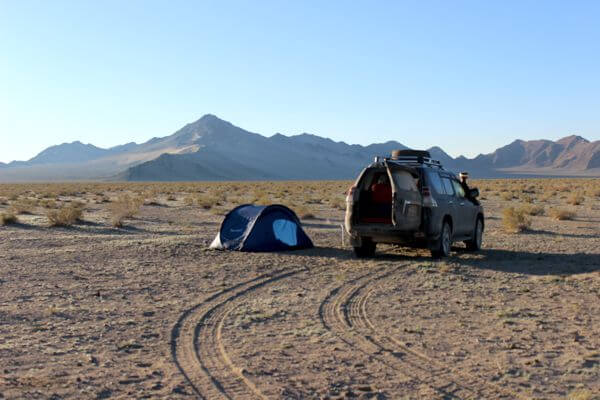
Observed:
{"x":147,"y":311}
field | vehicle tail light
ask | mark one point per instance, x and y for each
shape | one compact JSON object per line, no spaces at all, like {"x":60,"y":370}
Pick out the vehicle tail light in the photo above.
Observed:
{"x":428,"y":200}
{"x":351,"y":190}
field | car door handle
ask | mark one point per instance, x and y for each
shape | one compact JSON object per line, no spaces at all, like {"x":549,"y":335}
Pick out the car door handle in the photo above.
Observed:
{"x":462,"y":203}
{"x":450,"y":202}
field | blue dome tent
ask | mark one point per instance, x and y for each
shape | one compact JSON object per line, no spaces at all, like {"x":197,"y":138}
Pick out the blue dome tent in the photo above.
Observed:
{"x":261,"y":228}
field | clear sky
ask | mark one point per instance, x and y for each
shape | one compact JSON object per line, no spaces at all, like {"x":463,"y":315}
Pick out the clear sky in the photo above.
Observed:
{"x":468,"y":76}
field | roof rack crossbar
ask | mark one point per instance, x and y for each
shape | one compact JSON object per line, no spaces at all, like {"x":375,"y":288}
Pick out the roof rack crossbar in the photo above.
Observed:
{"x":414,"y":160}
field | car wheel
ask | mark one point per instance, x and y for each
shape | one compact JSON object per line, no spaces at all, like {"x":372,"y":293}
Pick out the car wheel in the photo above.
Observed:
{"x":444,"y":243}
{"x":366,"y":249}
{"x":475,"y":243}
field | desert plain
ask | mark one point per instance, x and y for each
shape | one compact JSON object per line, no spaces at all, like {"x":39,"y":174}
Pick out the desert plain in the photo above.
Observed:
{"x":119,"y":297}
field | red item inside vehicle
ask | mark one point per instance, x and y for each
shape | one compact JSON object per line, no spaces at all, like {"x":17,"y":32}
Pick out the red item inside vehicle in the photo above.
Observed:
{"x":381,"y":193}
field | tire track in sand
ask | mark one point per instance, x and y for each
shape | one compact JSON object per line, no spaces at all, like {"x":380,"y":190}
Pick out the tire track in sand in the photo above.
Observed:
{"x":197,"y":346}
{"x":344,"y":312}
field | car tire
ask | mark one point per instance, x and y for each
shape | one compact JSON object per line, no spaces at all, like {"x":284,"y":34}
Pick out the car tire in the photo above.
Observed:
{"x":442,"y":246}
{"x":366,"y":249}
{"x":474,"y":243}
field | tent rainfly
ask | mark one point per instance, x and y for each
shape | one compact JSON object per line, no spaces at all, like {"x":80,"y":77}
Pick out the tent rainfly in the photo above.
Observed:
{"x":261,"y":228}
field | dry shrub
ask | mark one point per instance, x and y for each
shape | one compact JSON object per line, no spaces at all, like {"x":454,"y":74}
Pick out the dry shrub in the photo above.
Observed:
{"x":25,"y":206}
{"x":531,"y":209}
{"x":575,"y":198}
{"x":65,"y":216}
{"x":562,"y":214}
{"x":8,"y":218}
{"x":189,"y":201}
{"x":527,"y":198}
{"x":125,"y":206}
{"x":506,"y":196}
{"x":207,"y":201}
{"x":337,"y":203}
{"x":302,"y":212}
{"x":581,"y":394}
{"x":514,"y":220}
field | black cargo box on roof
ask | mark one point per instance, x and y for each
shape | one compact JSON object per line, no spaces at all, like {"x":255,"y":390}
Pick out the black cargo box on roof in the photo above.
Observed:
{"x":410,"y":153}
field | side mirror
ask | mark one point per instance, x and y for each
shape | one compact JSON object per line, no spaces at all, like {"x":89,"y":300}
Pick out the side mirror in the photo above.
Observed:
{"x":474,"y":193}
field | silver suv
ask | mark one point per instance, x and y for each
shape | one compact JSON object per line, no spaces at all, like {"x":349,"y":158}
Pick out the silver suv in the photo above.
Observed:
{"x":412,"y":200}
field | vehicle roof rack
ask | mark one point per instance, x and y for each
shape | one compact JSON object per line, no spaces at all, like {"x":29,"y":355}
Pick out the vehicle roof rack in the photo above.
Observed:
{"x":414,"y":160}
{"x":411,"y":157}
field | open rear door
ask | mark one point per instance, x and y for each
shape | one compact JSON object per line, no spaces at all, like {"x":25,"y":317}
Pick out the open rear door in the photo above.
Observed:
{"x":406,"y":198}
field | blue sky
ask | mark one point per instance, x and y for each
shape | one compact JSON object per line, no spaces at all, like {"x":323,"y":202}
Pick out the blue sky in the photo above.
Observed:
{"x":468,"y":76}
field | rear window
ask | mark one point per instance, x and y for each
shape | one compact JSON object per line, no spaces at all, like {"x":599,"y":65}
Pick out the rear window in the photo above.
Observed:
{"x":448,"y":186}
{"x":435,"y":182}
{"x":404,"y":181}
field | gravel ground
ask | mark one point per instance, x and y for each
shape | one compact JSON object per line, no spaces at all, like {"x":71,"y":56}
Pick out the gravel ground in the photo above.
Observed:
{"x":147,"y":311}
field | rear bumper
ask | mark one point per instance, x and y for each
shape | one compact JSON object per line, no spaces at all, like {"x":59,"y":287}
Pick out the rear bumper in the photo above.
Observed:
{"x":383,"y":234}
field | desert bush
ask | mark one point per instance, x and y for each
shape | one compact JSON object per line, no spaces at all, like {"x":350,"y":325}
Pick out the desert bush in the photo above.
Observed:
{"x":8,"y":218}
{"x":506,"y":196}
{"x":531,"y":209}
{"x":576,"y":198}
{"x":514,"y":220}
{"x":125,"y":206}
{"x":561,"y":214}
{"x":48,"y":203}
{"x":189,"y":200}
{"x":171,"y":197}
{"x":337,"y":203}
{"x":65,"y":216}
{"x":581,"y":394}
{"x":302,"y":212}
{"x":207,"y":201}
{"x":527,"y":198}
{"x":25,"y":206}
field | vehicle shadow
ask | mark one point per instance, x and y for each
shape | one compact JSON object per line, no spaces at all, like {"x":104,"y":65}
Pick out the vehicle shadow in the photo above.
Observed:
{"x":531,"y":263}
{"x":519,"y":262}
{"x":571,"y":235}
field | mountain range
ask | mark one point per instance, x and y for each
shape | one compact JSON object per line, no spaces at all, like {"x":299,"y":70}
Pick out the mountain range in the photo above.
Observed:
{"x":214,"y":149}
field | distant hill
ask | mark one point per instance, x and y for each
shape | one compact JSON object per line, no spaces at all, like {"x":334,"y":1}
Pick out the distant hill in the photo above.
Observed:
{"x":213,"y":149}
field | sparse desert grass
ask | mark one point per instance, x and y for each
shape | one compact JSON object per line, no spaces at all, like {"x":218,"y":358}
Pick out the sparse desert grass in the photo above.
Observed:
{"x":581,"y":394}
{"x":302,"y":211}
{"x":8,"y":218}
{"x":527,"y":198}
{"x":23,"y":206}
{"x":189,"y":200}
{"x":125,"y":206}
{"x":506,"y":196}
{"x":207,"y":201}
{"x":65,"y":216}
{"x":576,"y":198}
{"x":531,"y":209}
{"x":561,"y":214}
{"x":515,"y":220}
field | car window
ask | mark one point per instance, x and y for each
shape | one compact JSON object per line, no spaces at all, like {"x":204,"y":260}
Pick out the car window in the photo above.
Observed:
{"x":448,"y":186}
{"x":435,"y":182}
{"x":404,"y":180}
{"x":458,"y":189}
